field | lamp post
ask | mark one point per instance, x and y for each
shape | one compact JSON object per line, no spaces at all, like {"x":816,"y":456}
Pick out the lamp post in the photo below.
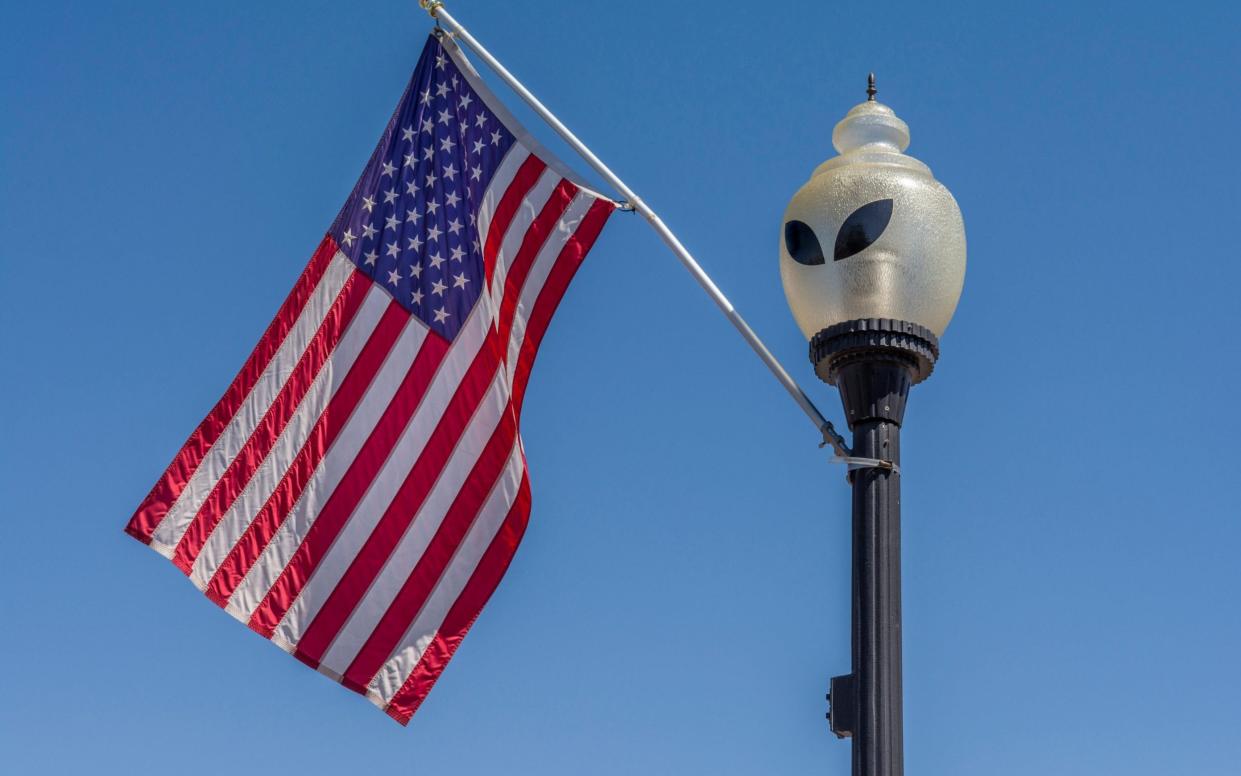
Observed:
{"x":873,"y":311}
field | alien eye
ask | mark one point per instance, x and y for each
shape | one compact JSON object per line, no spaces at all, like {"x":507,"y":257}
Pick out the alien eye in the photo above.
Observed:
{"x":802,"y":244}
{"x":862,"y":228}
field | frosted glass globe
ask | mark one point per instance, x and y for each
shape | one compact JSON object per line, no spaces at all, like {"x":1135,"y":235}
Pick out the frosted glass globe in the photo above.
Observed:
{"x":872,"y":234}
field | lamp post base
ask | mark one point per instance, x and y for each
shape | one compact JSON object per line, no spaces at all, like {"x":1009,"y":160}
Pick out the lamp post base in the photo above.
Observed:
{"x":874,"y":363}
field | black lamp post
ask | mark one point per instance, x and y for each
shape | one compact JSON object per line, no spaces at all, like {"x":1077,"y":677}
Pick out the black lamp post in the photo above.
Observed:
{"x":873,"y":313}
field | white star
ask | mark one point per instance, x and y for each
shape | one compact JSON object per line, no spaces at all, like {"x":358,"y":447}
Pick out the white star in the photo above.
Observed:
{"x":476,"y":173}
{"x":478,"y":146}
{"x":389,"y":196}
{"x":368,"y":203}
{"x":495,"y":138}
{"x":459,"y":281}
{"x":388,"y":169}
{"x":450,"y":172}
{"x":455,"y":82}
{"x":471,"y":215}
{"x":394,"y":277}
{"x":432,"y":207}
{"x":475,"y":243}
{"x":434,"y":232}
{"x":408,"y":133}
{"x":412,"y":216}
{"x":445,"y":117}
{"x":427,"y":126}
{"x":436,"y":260}
{"x":415,"y":271}
{"x":440,"y":61}
{"x":480,"y":120}
{"x":428,"y":153}
{"x":410,"y":161}
{"x":392,"y":222}
{"x":416,"y":297}
{"x":447,"y":144}
{"x":452,"y":199}
{"x":411,"y":187}
{"x":426,"y":96}
{"x":348,"y":237}
{"x":458,"y":254}
{"x":454,"y":226}
{"x":393,"y":249}
{"x":441,"y":90}
{"x":465,"y":98}
{"x":438,"y":288}
{"x":368,"y":231}
{"x":415,"y":244}
{"x":431,"y":179}
{"x":441,"y":315}
{"x":371,"y":255}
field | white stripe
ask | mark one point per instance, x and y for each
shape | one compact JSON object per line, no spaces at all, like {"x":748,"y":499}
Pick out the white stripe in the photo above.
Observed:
{"x":500,"y":181}
{"x":383,"y":488}
{"x":254,"y":407}
{"x":426,"y":625}
{"x":527,"y":210}
{"x":275,"y":556}
{"x":294,"y":436}
{"x":418,"y":535}
{"x":329,"y":572}
{"x":378,"y":597}
{"x":543,"y":264}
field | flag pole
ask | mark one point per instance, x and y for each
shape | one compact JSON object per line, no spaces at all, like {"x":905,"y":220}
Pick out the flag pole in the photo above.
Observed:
{"x":830,"y":436}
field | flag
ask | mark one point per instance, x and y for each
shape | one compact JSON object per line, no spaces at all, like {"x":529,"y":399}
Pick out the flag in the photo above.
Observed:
{"x":361,"y":487}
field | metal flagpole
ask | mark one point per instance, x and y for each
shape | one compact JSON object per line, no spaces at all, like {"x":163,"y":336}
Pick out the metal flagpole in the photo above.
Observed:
{"x":830,"y":436}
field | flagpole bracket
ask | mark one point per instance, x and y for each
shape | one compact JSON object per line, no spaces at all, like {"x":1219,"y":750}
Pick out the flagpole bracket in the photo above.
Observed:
{"x":854,"y":463}
{"x":833,"y":438}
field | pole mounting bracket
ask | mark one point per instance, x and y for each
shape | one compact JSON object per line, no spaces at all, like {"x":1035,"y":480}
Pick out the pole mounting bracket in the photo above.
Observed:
{"x":842,"y":705}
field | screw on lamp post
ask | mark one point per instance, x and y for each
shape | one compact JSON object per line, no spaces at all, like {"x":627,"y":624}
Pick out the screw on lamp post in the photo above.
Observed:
{"x":873,"y":314}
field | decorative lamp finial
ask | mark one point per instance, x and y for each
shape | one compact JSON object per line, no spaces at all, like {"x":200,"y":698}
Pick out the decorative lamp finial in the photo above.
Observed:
{"x":871,"y":91}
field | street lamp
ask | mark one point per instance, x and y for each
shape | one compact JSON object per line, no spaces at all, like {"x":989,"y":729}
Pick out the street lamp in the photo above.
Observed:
{"x":872,"y":257}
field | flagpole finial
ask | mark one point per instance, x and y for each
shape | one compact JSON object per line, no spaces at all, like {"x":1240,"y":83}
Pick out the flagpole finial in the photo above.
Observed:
{"x":871,"y":91}
{"x":430,"y":6}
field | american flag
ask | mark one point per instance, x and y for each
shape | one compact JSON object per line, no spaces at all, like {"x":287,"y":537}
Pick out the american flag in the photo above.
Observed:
{"x":361,"y":487}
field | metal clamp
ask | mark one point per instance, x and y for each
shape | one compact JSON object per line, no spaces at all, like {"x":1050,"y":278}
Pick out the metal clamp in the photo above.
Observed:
{"x":854,"y":463}
{"x":832,"y":437}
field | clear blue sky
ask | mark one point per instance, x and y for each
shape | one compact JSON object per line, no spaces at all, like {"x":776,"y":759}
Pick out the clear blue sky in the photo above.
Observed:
{"x":682,"y":595}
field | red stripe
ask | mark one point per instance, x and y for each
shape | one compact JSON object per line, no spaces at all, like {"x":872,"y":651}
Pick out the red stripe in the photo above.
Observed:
{"x":562,"y":273}
{"x":269,"y":429}
{"x":430,"y":567}
{"x":477,"y":486}
{"x":162,"y":496}
{"x":404,"y":506}
{"x":465,"y":610}
{"x":250,"y":546}
{"x":340,"y":604}
{"x":525,"y":178}
{"x":435,"y":559}
{"x":353,"y":485}
{"x":531,"y":244}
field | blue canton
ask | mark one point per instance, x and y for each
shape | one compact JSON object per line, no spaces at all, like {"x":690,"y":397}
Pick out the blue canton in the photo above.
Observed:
{"x":411,"y":221}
